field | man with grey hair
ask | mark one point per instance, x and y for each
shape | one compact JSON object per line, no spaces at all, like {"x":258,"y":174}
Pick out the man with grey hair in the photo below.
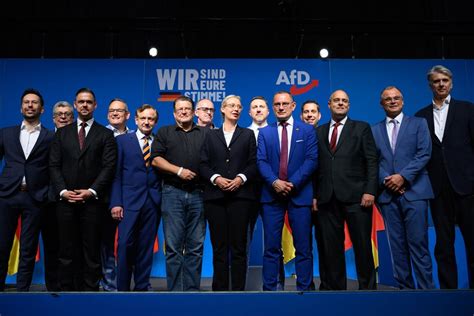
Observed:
{"x":451,"y":171}
{"x":63,"y":114}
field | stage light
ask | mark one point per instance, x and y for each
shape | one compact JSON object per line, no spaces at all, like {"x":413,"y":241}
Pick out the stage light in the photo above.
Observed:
{"x":153,"y":51}
{"x":324,"y":53}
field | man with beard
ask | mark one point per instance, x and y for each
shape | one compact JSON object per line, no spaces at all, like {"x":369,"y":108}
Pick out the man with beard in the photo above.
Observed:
{"x":23,"y":186}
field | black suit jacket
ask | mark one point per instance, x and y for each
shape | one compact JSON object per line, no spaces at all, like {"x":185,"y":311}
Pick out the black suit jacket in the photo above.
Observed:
{"x":353,"y":168}
{"x":93,"y":167}
{"x":456,"y":152}
{"x":239,"y":157}
{"x":16,"y":166}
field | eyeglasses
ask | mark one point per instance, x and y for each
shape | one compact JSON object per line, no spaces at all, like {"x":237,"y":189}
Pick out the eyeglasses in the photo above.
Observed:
{"x":283,"y":104}
{"x":207,"y":109}
{"x":184,"y":110}
{"x":65,"y":114}
{"x":395,"y":98}
{"x":117,"y":110}
{"x":234,"y":106}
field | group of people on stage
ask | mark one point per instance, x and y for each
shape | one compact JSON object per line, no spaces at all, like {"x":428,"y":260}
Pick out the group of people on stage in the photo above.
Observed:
{"x":83,"y":182}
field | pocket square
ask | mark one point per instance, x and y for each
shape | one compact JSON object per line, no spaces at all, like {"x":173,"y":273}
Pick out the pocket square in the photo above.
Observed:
{"x":299,"y":140}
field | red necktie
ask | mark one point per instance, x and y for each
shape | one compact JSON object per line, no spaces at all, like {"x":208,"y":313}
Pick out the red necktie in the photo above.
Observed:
{"x":82,"y":135}
{"x":283,"y":171}
{"x":333,"y":143}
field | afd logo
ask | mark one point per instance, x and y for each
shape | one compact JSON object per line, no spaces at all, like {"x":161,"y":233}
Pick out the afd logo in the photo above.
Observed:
{"x":299,"y":80}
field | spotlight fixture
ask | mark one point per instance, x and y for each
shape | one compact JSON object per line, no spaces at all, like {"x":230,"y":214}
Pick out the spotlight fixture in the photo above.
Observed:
{"x":153,"y":51}
{"x":324,"y":53}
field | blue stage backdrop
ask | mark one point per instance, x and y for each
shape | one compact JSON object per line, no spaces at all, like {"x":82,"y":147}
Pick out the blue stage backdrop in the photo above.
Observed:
{"x":155,"y":81}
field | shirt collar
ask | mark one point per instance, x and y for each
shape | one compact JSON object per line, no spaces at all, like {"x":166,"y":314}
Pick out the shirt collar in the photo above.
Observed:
{"x":140,"y":135}
{"x":341,"y":122}
{"x":397,"y":118}
{"x":254,"y":126}
{"x":89,"y":122}
{"x":36,"y":128}
{"x":445,"y":103}
{"x":289,"y":121}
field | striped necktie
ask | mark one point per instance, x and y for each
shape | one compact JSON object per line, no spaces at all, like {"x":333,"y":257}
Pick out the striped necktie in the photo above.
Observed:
{"x":146,"y":151}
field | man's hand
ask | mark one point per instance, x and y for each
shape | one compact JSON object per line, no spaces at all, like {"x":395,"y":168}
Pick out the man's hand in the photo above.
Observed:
{"x":71,"y":197}
{"x":187,"y":175}
{"x":315,"y":205}
{"x":117,"y":213}
{"x":394,"y":182}
{"x":84,"y":194}
{"x":367,"y":200}
{"x":235,"y":184}
{"x":282,"y":187}
{"x":222,"y":183}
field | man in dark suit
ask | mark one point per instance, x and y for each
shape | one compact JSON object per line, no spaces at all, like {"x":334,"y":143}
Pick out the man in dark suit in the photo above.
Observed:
{"x":346,"y":189}
{"x":287,"y":156}
{"x":451,"y":171}
{"x":404,"y":147}
{"x":82,"y":166}
{"x":135,"y":202}
{"x":23,"y":186}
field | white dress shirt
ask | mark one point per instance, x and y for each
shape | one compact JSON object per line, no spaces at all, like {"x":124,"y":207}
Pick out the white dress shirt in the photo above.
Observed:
{"x":289,"y":131}
{"x":140,"y":137}
{"x":28,"y":140}
{"x":255,"y":128}
{"x":339,"y":129}
{"x":439,"y":117}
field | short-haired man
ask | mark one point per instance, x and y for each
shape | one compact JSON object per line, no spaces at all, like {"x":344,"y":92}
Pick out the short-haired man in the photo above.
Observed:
{"x":176,"y":153}
{"x":63,"y":114}
{"x":451,"y":171}
{"x":24,"y":183}
{"x":135,"y":202}
{"x":346,"y":187}
{"x":118,"y":115}
{"x":310,"y":112}
{"x":287,"y":156}
{"x":205,"y":113}
{"x":404,"y":147}
{"x":82,"y":166}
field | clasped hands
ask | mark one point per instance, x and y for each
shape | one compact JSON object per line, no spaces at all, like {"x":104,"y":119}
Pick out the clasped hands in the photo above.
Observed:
{"x":228,"y":185}
{"x":282,"y":187}
{"x":77,"y":196}
{"x":395,"y":183}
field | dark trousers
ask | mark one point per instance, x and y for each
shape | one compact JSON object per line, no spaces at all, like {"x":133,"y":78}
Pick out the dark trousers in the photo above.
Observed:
{"x":319,"y":239}
{"x":80,"y":227}
{"x":136,"y":236}
{"x":50,"y":236}
{"x":12,"y":207}
{"x":228,"y":225}
{"x":359,"y":221}
{"x":448,"y":209}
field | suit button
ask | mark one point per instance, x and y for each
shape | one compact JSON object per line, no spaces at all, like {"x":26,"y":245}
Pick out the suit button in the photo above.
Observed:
{"x":227,"y":160}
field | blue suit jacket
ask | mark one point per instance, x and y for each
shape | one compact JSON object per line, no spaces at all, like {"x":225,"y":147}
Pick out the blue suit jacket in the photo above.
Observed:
{"x":133,"y":180}
{"x":16,"y":166}
{"x":302,"y":162}
{"x":412,"y":153}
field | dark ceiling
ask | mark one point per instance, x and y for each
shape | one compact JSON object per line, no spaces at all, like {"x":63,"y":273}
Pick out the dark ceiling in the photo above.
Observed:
{"x":237,"y":29}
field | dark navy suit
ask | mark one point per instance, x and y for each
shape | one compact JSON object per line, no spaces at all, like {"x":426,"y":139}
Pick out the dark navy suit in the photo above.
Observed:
{"x":15,"y":202}
{"x":406,"y":215}
{"x":302,"y":163}
{"x":137,"y":189}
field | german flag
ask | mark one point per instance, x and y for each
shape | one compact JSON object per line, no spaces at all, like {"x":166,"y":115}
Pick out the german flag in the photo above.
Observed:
{"x":14,"y":259}
{"x":168,"y":96}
